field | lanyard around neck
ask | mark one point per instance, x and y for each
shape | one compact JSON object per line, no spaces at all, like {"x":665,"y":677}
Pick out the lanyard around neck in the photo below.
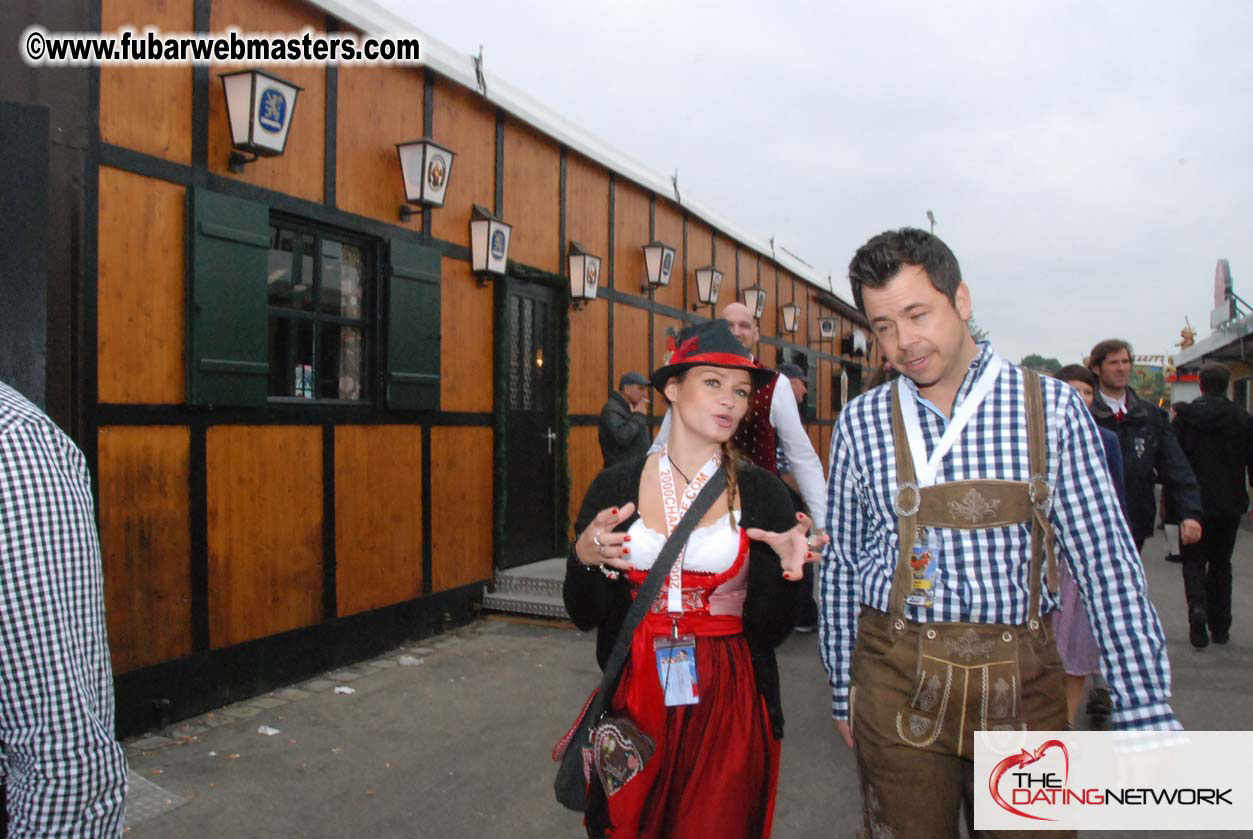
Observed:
{"x":925,"y":471}
{"x":675,"y":505}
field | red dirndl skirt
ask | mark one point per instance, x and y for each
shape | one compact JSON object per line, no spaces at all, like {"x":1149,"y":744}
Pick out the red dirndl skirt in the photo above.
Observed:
{"x":715,"y":771}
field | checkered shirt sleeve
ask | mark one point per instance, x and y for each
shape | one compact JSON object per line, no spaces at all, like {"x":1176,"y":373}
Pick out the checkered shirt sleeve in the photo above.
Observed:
{"x":65,"y":772}
{"x":982,"y":575}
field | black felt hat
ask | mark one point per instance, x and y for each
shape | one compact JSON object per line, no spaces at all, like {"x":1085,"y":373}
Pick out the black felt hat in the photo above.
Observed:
{"x":708,"y":344}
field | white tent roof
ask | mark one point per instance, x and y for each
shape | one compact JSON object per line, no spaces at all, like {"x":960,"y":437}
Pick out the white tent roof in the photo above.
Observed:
{"x":375,"y":20}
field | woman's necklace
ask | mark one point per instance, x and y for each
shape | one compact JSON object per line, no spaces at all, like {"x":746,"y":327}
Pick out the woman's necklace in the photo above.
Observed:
{"x":676,"y":468}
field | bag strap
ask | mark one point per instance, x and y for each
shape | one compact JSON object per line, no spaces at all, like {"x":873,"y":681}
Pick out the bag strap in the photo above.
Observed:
{"x":652,"y":583}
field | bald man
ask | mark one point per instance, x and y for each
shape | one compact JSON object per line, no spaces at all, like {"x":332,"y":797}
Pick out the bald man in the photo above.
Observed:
{"x":772,"y":418}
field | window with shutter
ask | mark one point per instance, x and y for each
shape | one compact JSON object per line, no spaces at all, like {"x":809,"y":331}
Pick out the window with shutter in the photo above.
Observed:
{"x":318,"y":286}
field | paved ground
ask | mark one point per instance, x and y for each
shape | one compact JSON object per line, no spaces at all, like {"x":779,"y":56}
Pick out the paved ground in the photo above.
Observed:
{"x":452,"y":738}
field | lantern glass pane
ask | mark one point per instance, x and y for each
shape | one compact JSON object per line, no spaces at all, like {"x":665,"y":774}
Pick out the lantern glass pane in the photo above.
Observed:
{"x":273,"y":107}
{"x":478,"y":244}
{"x":498,"y":246}
{"x":591,"y":277}
{"x":238,"y":90}
{"x":704,"y":279}
{"x":667,"y":266}
{"x":411,"y":170}
{"x":652,"y":264}
{"x":436,"y":173}
{"x":577,"y":271}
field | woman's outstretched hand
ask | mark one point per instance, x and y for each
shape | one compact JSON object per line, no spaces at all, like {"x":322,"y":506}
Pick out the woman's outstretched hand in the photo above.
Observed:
{"x":598,"y":544}
{"x":795,"y":547}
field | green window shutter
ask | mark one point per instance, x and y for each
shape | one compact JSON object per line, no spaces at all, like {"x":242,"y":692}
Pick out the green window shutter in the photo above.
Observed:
{"x":228,"y":338}
{"x":413,"y":330}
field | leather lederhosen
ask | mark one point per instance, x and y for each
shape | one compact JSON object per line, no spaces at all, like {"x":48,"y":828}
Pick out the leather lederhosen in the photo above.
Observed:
{"x":932,"y":685}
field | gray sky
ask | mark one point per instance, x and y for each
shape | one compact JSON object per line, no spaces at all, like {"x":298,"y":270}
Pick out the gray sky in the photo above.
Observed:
{"x":1088,"y":162}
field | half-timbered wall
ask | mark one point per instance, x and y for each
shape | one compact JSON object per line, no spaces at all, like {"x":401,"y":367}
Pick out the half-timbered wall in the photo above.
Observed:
{"x":224,"y":528}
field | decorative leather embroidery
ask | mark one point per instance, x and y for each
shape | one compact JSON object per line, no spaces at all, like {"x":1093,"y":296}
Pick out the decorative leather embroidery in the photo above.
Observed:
{"x":931,"y":695}
{"x":967,"y":646}
{"x":918,"y":725}
{"x":973,"y":507}
{"x":877,"y":827}
{"x":1001,"y":699}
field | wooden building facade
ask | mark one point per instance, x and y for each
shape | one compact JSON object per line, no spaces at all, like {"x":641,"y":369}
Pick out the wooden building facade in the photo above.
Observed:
{"x":313,"y":433}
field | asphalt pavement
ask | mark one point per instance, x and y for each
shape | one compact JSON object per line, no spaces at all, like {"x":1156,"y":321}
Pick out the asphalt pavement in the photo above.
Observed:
{"x":451,"y":737}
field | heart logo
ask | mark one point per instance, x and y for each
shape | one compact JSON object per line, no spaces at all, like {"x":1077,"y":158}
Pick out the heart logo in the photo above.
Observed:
{"x":1025,"y":758}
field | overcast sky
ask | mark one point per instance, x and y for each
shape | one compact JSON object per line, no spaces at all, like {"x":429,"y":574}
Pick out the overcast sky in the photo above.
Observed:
{"x":1087,"y":162}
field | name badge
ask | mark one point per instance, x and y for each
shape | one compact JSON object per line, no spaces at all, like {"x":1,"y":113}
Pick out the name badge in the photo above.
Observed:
{"x":924,"y":562}
{"x":676,"y":669}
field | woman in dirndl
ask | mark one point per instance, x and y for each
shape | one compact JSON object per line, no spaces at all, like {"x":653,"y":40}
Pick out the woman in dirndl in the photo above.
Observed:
{"x":702,"y":680}
{"x":1081,"y":656}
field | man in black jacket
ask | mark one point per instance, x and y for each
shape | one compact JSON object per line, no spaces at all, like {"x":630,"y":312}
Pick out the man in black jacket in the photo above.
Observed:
{"x":1217,"y":437}
{"x":624,"y":421}
{"x":1150,"y":452}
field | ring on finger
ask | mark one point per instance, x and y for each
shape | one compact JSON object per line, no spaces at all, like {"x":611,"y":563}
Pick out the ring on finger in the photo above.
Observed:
{"x":596,"y":540}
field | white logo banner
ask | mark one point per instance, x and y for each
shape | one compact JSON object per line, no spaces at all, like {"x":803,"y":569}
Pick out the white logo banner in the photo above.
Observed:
{"x":1113,"y":780}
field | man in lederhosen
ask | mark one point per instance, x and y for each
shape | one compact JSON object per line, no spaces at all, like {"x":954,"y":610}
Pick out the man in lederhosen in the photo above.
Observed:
{"x":953,"y":493}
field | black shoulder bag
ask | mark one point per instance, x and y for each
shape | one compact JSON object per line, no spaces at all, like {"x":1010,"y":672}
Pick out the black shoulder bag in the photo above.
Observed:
{"x":576,"y":752}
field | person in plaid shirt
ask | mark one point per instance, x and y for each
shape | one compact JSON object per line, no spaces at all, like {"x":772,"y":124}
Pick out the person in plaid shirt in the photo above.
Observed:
{"x":1005,"y":477}
{"x":61,"y":769}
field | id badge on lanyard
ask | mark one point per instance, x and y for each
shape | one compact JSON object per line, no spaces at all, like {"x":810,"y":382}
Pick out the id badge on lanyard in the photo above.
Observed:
{"x":924,"y":563}
{"x":676,"y":668}
{"x":676,"y":653}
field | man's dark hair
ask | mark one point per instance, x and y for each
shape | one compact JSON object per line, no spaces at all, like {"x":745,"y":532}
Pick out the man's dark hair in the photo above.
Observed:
{"x":882,"y":258}
{"x":1105,"y":349}
{"x":1077,"y":373}
{"x":1214,"y":378}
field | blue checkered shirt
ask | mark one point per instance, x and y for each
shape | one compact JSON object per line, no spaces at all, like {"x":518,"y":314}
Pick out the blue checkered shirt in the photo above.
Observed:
{"x":65,"y":772}
{"x":983,"y":574}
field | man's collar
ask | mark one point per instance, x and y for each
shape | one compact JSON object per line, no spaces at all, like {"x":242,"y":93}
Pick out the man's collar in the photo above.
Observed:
{"x":977,"y":365}
{"x":1114,"y":404}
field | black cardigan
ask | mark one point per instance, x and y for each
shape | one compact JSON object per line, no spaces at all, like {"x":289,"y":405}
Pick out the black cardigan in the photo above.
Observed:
{"x":593,"y":600}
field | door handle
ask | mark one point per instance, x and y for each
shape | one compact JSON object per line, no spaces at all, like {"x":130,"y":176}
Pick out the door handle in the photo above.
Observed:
{"x":550,"y":437}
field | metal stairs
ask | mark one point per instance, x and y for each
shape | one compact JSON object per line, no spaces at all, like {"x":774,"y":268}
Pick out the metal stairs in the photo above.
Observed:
{"x":533,"y":589}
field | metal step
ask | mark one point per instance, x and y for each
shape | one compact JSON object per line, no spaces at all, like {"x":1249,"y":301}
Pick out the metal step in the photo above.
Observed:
{"x":533,"y":589}
{"x":541,"y":605}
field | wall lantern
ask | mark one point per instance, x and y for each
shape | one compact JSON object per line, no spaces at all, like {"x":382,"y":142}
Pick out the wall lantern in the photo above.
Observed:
{"x":826,"y":328}
{"x":658,"y":264}
{"x":755,"y":300}
{"x":584,"y":274}
{"x":489,"y":245}
{"x":791,"y":317}
{"x":260,"y":108}
{"x":425,"y":168}
{"x":708,"y":281}
{"x":859,"y":343}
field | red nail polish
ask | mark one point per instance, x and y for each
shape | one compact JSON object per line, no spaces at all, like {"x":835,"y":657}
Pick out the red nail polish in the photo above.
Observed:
{"x":613,"y":511}
{"x":626,"y":538}
{"x":625,"y":549}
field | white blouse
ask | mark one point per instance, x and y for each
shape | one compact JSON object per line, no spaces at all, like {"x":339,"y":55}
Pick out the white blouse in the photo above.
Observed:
{"x":711,"y":549}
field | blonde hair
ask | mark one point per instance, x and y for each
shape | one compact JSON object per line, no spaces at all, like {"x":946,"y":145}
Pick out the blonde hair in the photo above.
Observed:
{"x":731,"y":457}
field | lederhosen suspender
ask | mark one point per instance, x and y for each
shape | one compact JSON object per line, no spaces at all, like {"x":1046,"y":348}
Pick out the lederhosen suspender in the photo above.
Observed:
{"x":976,"y":504}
